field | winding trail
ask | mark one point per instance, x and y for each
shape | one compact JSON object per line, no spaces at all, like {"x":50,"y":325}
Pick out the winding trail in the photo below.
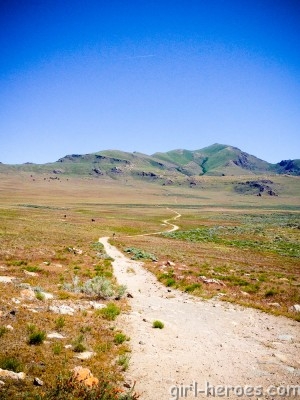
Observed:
{"x":165,"y":221}
{"x":202,"y":341}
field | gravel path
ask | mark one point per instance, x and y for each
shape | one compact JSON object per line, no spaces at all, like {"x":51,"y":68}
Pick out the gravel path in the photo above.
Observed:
{"x":202,"y":342}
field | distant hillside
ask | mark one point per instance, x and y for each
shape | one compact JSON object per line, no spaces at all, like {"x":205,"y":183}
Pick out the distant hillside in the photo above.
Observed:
{"x":215,"y":160}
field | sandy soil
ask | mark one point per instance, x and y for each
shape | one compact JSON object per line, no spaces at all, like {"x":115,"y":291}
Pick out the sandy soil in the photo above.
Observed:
{"x":202,"y":342}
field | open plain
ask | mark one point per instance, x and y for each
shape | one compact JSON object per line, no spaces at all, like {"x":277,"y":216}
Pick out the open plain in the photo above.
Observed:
{"x":233,"y":253}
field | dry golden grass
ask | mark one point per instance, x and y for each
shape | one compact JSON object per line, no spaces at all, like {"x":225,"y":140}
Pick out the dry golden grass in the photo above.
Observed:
{"x":40,"y":223}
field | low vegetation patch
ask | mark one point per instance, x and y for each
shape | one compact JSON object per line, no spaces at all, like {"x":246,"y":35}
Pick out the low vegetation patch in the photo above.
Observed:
{"x":60,"y":323}
{"x":120,"y":338}
{"x":32,"y":268}
{"x":246,"y":258}
{"x":110,"y":312}
{"x":233,"y":237}
{"x":78,"y":345}
{"x":191,"y":288}
{"x":39,"y":295}
{"x":36,"y":337}
{"x":58,"y":240}
{"x":11,"y":364}
{"x":158,"y":324}
{"x":98,"y":287}
{"x":66,"y":387}
{"x":137,"y":254}
{"x":123,"y":361}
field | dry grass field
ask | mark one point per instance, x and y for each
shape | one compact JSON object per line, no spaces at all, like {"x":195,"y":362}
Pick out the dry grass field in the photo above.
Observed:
{"x":242,"y":248}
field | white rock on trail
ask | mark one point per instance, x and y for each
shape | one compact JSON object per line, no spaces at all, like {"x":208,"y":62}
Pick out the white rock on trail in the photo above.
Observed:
{"x":28,"y":294}
{"x":96,"y":305}
{"x":55,"y":335}
{"x":12,"y":375}
{"x":63,"y":309}
{"x":6,"y":279}
{"x":85,"y":355}
{"x":295,"y":308}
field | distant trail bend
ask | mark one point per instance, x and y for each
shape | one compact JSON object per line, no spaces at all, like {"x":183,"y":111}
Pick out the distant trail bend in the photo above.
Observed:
{"x":207,"y":342}
{"x":165,"y":221}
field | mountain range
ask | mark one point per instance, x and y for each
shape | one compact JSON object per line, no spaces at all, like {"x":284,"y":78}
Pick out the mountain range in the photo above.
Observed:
{"x":214,"y":160}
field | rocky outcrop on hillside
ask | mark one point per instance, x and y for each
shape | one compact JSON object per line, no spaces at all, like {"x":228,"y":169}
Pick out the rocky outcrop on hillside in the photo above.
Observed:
{"x":257,"y":187}
{"x":290,"y":167}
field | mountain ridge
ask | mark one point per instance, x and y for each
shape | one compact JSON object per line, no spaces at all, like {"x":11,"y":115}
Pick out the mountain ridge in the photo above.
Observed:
{"x":215,"y":160}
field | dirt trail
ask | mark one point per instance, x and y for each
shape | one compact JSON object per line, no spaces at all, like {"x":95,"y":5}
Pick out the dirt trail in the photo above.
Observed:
{"x":166,"y":222}
{"x":202,"y":341}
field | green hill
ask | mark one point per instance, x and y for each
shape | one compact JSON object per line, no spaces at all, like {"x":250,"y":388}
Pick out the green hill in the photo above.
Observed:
{"x":217,"y":159}
{"x":214,"y":160}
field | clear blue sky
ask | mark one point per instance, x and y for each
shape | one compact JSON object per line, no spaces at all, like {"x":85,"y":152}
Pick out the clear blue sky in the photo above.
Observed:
{"x":83,"y":76}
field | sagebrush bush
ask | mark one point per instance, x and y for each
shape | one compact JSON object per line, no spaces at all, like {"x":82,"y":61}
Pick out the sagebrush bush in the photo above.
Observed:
{"x":138,"y":254}
{"x":99,"y":287}
{"x":103,"y":288}
{"x":74,"y":286}
{"x":123,"y":361}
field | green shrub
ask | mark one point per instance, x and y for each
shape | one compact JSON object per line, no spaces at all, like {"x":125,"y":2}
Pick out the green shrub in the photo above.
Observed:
{"x":158,"y":324}
{"x":33,"y":269}
{"x":110,"y":312}
{"x":191,"y":288}
{"x":17,"y":263}
{"x":170,"y":282}
{"x":57,"y":348}
{"x":11,"y":364}
{"x":123,"y":361}
{"x":271,"y":292}
{"x":252,"y":288}
{"x":36,"y":337}
{"x":78,"y":345}
{"x":59,"y":323}
{"x":120,"y":338}
{"x":31,"y":328}
{"x":40,"y":296}
{"x":85,"y":329}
